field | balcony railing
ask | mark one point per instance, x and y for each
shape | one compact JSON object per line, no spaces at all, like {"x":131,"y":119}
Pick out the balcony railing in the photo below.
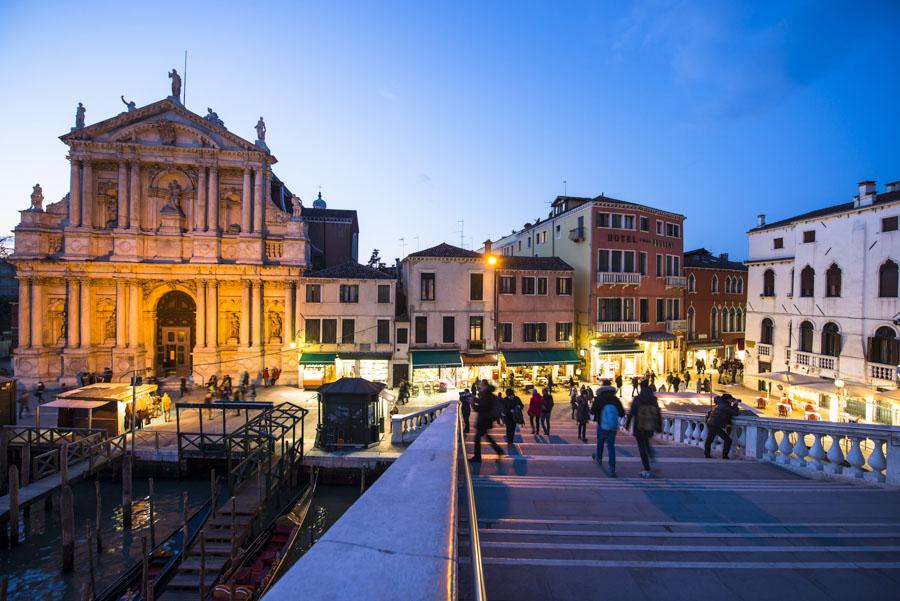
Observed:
{"x":674,"y":325}
{"x":764,"y":350}
{"x":476,"y":345}
{"x":882,"y":375}
{"x":617,"y":277}
{"x":618,"y":327}
{"x":815,"y":362}
{"x":576,"y":234}
{"x":676,"y":281}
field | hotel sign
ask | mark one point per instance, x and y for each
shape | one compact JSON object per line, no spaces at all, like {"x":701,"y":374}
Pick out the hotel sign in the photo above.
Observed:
{"x":633,"y":239}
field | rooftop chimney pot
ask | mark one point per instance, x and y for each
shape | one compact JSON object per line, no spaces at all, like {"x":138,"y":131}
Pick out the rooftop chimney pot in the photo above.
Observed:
{"x":866,"y":194}
{"x":761,"y":219}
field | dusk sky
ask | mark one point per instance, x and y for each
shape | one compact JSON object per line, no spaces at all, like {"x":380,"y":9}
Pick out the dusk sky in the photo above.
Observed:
{"x":421,"y":114}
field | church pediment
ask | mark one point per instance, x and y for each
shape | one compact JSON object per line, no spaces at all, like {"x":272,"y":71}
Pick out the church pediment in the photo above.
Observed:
{"x":163,"y":123}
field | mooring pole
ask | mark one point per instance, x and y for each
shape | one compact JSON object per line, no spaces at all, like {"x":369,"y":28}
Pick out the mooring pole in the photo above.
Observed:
{"x":152,"y":515}
{"x":126,"y":491}
{"x":99,"y":514}
{"x":67,"y":520}
{"x":13,"y":505}
{"x":184,"y":523}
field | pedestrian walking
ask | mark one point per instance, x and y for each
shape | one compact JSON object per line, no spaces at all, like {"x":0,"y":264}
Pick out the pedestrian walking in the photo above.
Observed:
{"x":574,"y":393}
{"x":403,"y":397}
{"x":607,"y":409}
{"x":717,"y":420}
{"x":465,"y":403}
{"x":676,"y":383}
{"x":583,"y":414}
{"x":39,"y":392}
{"x":534,"y":411}
{"x":485,"y":408}
{"x":546,"y":409}
{"x":550,"y":383}
{"x":512,"y":416}
{"x":265,"y":376}
{"x":166,"y":402}
{"x":635,"y":382}
{"x":646,"y":419}
{"x":23,"y":404}
{"x":687,"y":381}
{"x":619,"y":382}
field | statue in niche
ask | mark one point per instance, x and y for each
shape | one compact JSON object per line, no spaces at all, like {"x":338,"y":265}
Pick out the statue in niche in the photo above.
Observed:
{"x":109,"y":326}
{"x":174,"y":195}
{"x":79,"y":116}
{"x":59,"y":325}
{"x":261,"y":130}
{"x":275,"y":325}
{"x":37,"y":198}
{"x":129,"y":104}
{"x":234,"y":325}
{"x":176,"y":84}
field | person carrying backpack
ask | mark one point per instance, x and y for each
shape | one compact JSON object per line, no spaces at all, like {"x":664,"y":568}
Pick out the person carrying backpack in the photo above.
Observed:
{"x":512,"y":416}
{"x":607,"y":409}
{"x":546,"y":409}
{"x":717,"y":420}
{"x":485,"y":406}
{"x":646,"y":419}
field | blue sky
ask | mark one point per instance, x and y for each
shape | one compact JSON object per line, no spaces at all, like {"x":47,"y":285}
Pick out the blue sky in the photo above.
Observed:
{"x":421,"y":114}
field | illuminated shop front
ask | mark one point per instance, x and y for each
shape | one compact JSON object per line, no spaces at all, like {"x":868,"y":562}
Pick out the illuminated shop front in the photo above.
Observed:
{"x":317,"y":369}
{"x":478,"y":366}
{"x":661,"y":351}
{"x":614,"y":356}
{"x":704,"y":350}
{"x":435,"y":371}
{"x":532,"y":367}
{"x":374,"y":367}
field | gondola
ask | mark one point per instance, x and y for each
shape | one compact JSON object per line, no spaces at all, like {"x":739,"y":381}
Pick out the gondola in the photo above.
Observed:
{"x":161,"y":564}
{"x":272,"y":552}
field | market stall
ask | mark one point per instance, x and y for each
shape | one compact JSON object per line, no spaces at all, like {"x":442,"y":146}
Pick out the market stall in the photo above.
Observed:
{"x":532,"y":367}
{"x":101,"y":406}
{"x":316,"y":369}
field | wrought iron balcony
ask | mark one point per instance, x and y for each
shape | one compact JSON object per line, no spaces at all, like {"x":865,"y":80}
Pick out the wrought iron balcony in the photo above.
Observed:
{"x":676,"y":281}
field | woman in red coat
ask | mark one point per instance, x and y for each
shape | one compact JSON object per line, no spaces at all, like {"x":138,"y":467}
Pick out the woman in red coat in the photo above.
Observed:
{"x":534,"y":411}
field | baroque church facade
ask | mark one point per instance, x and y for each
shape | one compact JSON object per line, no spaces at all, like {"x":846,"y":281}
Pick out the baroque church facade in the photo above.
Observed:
{"x":176,"y":252}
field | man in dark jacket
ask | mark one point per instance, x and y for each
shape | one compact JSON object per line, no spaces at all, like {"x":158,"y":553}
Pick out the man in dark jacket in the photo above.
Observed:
{"x":606,"y":432}
{"x":717,"y":421}
{"x":485,"y":406}
{"x":647,"y":419}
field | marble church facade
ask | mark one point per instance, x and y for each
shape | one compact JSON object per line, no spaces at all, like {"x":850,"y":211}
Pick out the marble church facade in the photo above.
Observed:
{"x":176,"y":251}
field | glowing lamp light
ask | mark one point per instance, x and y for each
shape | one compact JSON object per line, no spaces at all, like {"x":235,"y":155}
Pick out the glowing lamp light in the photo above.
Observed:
{"x":491,"y":260}
{"x":293,"y":344}
{"x":839,"y":383}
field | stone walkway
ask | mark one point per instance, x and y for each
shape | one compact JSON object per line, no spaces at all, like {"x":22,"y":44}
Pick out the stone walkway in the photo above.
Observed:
{"x":555,"y":526}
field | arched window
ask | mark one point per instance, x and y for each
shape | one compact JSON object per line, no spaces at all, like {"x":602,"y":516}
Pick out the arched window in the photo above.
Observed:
{"x":884,"y":347}
{"x":767,"y":331}
{"x":831,"y":340}
{"x":807,"y":282}
{"x":692,"y":283}
{"x":691,"y":324}
{"x":714,"y":284}
{"x":740,"y":285}
{"x":713,"y":323}
{"x":887,"y":280}
{"x":769,"y":282}
{"x":739,"y":323}
{"x":728,"y":285}
{"x":806,"y":337}
{"x":833,"y":281}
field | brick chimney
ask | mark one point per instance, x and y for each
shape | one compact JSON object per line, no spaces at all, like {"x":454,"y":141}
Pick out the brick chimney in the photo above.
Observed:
{"x":487,"y":246}
{"x":893,"y":187}
{"x":866,"y":195}
{"x":723,"y":257}
{"x":761,"y":219}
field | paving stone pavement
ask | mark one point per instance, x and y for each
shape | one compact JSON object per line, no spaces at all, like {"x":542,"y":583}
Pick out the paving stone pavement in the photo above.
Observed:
{"x":555,"y":526}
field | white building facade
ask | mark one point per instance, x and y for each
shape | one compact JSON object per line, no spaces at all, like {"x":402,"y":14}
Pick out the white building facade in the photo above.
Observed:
{"x":823,"y":302}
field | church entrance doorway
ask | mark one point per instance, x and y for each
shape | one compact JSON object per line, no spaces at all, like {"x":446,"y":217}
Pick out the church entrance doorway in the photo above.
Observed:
{"x":175,"y":334}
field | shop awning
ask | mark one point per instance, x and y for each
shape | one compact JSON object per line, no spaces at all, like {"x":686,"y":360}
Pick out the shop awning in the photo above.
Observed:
{"x":788,"y":378}
{"x":563,"y":356}
{"x":317,"y":358}
{"x":519,"y":358}
{"x":367,"y":355}
{"x":697,"y":345}
{"x":422,"y":359}
{"x":75,"y":404}
{"x":656,"y":336}
{"x":544,"y":357}
{"x":479,"y":359}
{"x":611,"y":347}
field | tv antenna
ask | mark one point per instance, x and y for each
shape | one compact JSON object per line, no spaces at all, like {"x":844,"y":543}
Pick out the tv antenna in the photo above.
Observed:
{"x":461,"y":232}
{"x":565,"y":188}
{"x":403,"y":247}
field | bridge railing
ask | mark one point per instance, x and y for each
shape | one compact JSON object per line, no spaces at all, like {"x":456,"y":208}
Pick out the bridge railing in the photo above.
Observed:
{"x":21,"y":435}
{"x":405,"y":428}
{"x":841,"y":450}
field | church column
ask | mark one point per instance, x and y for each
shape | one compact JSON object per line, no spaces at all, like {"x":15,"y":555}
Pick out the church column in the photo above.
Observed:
{"x":200,"y":216}
{"x":201,"y":314}
{"x":134,"y":209}
{"x":298,"y":314}
{"x":257,"y":200}
{"x":87,"y":309}
{"x":122,"y":196}
{"x":24,"y":313}
{"x":121,"y":311}
{"x":245,"y":202}
{"x":87,"y":195}
{"x":213,"y":199}
{"x":37,"y":313}
{"x":245,"y":314}
{"x":75,"y":193}
{"x":134,"y":315}
{"x":212,"y":314}
{"x":256,"y":333}
{"x":287,"y":336}
{"x":73,"y":313}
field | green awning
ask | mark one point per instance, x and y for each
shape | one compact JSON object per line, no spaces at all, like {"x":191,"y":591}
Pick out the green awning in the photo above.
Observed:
{"x":372,"y":356}
{"x":543,"y":357}
{"x":610,"y":347}
{"x":422,"y":359}
{"x":317,"y":358}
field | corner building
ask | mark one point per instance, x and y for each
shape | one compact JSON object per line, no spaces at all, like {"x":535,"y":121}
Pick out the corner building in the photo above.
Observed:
{"x":175,"y":252}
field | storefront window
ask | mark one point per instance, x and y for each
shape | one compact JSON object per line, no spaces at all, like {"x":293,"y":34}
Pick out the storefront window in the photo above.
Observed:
{"x":856,"y":407}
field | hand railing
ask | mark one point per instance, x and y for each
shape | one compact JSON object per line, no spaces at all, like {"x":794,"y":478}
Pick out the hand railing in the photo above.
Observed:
{"x":406,"y":427}
{"x":474,"y":538}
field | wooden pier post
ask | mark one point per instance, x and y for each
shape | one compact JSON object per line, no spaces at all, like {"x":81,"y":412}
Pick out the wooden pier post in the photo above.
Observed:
{"x":202,"y":565}
{"x":99,"y":514}
{"x":362,"y":480}
{"x":126,"y":491}
{"x":92,"y":583}
{"x":13,"y":505}
{"x":184,"y":523}
{"x":145,"y":568}
{"x":233,"y":527}
{"x":67,"y":520}
{"x":4,"y":588}
{"x":212,"y":490}
{"x":259,"y":485}
{"x":64,"y":463}
{"x":152,"y":514}
{"x":4,"y":469}
{"x":26,"y":464}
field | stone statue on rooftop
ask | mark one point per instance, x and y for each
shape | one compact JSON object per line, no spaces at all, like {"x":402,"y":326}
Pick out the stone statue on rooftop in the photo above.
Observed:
{"x":213,"y":117}
{"x":176,"y":84}
{"x":79,"y":116}
{"x":261,"y":130}
{"x":127,"y":103}
{"x":37,"y":198}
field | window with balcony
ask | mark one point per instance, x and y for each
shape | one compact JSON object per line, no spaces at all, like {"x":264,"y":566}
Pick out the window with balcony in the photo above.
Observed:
{"x":421,"y":329}
{"x":806,"y":337}
{"x":673,"y":265}
{"x":449,"y":333}
{"x":348,"y":331}
{"x":884,"y":347}
{"x":349,"y":293}
{"x":426,"y":286}
{"x":476,"y":286}
{"x":767,"y":331}
{"x":329,"y":331}
{"x":528,"y":286}
{"x":833,"y":281}
{"x":616,"y":261}
{"x":313,"y":331}
{"x":563,"y":331}
{"x":887,"y":280}
{"x":384,"y":293}
{"x":314,"y":293}
{"x":807,"y":282}
{"x":534,"y":332}
{"x":615,"y":309}
{"x":506,"y":332}
{"x":564,"y":286}
{"x":831,"y":340}
{"x":507,"y":284}
{"x":476,"y":328}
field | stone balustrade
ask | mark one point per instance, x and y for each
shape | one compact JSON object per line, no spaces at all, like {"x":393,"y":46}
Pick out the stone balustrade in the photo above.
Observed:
{"x":676,"y":281}
{"x":850,"y":451}
{"x":405,"y":428}
{"x":618,"y":327}
{"x":618,"y":277}
{"x":882,"y":375}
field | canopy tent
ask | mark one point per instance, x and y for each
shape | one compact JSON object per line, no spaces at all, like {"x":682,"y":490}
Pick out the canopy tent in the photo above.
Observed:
{"x":75,"y":404}
{"x":619,"y":345}
{"x":542,"y":357}
{"x":317,"y":358}
{"x":421,"y":359}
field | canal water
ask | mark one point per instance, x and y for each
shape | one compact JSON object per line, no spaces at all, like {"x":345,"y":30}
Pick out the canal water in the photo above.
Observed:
{"x":34,"y":567}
